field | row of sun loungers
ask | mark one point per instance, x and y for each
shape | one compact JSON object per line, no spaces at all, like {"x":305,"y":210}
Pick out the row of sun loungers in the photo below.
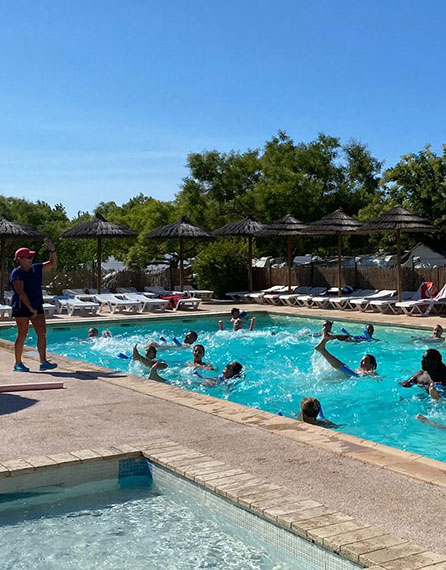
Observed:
{"x":364,"y":300}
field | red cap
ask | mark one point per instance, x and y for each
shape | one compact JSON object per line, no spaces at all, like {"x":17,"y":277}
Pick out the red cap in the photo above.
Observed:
{"x":24,"y":252}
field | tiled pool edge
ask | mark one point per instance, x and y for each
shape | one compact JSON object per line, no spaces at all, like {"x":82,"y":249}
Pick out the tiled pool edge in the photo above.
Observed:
{"x":299,"y":515}
{"x":403,"y":462}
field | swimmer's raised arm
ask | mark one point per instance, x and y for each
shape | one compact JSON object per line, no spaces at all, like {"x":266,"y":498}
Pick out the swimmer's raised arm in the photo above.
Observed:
{"x":425,"y":420}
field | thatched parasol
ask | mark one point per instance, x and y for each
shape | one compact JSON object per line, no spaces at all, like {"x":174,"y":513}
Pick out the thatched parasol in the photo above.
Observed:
{"x":337,"y":223}
{"x":180,"y":230}
{"x":398,"y":220}
{"x":99,"y":228}
{"x":248,"y":227}
{"x":287,"y":226}
{"x":11,"y":230}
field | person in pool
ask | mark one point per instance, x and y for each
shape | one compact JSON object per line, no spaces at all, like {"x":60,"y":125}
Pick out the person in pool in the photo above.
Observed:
{"x":310,"y":408}
{"x":198,"y":353}
{"x":437,"y":335}
{"x":230,"y":371}
{"x":93,"y":332}
{"x":154,"y":371}
{"x":432,"y":423}
{"x":328,"y":326}
{"x":367,"y":366}
{"x":367,"y":336}
{"x":149,"y":358}
{"x":188,"y":341}
{"x":237,"y":324}
{"x":433,"y":371}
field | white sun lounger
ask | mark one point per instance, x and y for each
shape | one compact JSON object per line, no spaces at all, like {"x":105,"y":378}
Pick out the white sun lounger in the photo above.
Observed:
{"x":117,"y":302}
{"x":148,"y":303}
{"x":204,"y":294}
{"x":322,"y":301}
{"x":192,"y":303}
{"x":238,"y":296}
{"x":72,"y":304}
{"x":389,"y":305}
{"x":302,"y":300}
{"x":423,"y":307}
{"x":6,"y":310}
{"x":73,"y":292}
{"x":365,"y":303}
{"x":48,"y":308}
{"x":126,"y":290}
{"x":274,"y":298}
{"x":344,"y":303}
{"x":257,"y":296}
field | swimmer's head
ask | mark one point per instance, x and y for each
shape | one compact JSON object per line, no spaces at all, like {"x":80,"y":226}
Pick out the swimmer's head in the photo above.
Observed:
{"x":235,"y":313}
{"x":310,"y":407}
{"x":370,"y":329}
{"x":437,"y":331}
{"x":190,"y":338}
{"x":431,"y":359}
{"x":238,"y":324}
{"x":368,"y":363}
{"x":327,"y":326}
{"x":106,"y":334}
{"x":232,"y":370}
{"x":198,"y":351}
{"x":93,"y":332}
{"x":150,"y":351}
{"x":161,"y":365}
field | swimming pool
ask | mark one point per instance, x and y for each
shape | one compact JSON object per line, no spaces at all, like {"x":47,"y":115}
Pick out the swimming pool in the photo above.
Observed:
{"x":281,"y":367}
{"x":146,"y":518}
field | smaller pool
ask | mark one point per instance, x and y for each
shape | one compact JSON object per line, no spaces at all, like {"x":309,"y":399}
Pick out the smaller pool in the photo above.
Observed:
{"x":138,"y":523}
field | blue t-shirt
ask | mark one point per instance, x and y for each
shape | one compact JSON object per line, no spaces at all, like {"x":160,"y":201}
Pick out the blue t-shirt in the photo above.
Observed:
{"x":32,"y":284}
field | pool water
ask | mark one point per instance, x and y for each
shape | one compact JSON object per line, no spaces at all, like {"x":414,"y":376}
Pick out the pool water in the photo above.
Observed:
{"x":102,"y":525}
{"x":281,"y":367}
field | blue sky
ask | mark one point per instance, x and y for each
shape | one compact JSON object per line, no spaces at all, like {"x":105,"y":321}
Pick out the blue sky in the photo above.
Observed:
{"x":100,"y":100}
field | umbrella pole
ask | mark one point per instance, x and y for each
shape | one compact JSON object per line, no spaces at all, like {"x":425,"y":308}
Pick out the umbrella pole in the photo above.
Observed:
{"x":398,"y":269}
{"x":3,"y":255}
{"x":339,"y":264}
{"x":181,"y":266}
{"x":289,"y":264}
{"x":250,"y":262}
{"x":99,"y":263}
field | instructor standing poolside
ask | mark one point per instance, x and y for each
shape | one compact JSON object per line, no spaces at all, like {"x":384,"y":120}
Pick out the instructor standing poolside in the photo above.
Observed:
{"x":27,"y":302}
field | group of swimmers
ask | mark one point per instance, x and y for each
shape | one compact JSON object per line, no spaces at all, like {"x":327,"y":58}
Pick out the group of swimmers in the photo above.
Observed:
{"x":431,"y":377}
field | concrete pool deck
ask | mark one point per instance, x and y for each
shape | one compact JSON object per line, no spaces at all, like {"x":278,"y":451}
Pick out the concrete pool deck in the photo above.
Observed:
{"x":102,"y":408}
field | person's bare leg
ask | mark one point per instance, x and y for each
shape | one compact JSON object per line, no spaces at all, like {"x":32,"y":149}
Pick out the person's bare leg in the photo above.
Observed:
{"x":22,"y":333}
{"x":39,"y":325}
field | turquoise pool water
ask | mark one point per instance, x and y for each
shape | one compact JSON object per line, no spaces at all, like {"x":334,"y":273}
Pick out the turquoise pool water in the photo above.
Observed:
{"x":101,"y":525}
{"x":281,"y":367}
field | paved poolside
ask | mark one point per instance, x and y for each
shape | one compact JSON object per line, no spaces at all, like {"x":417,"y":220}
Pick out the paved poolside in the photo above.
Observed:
{"x":102,"y":408}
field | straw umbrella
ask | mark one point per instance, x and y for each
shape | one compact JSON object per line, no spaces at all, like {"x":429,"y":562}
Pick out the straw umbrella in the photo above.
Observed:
{"x":337,"y":223}
{"x":11,"y":230}
{"x":99,"y":229}
{"x":248,"y":227}
{"x":180,"y":230}
{"x":398,"y":220}
{"x":287,"y":226}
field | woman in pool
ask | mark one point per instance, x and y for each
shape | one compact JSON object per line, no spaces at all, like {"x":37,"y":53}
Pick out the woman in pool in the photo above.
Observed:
{"x":149,"y":358}
{"x":230,"y":371}
{"x":198,"y":353}
{"x":436,"y":337}
{"x":367,"y":366}
{"x":27,"y":302}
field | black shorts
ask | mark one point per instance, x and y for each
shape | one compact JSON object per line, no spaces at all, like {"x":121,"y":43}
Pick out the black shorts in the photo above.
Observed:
{"x":25,"y":312}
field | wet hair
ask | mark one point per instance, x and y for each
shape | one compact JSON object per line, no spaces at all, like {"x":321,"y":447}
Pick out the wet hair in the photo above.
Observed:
{"x":310,"y":407}
{"x":93,"y":331}
{"x":193,"y":334}
{"x":199,"y":346}
{"x":433,"y":354}
{"x":372,"y":361}
{"x":236,"y":367}
{"x":151,"y":348}
{"x":439,"y":327}
{"x":233,"y":310}
{"x":370,"y":329}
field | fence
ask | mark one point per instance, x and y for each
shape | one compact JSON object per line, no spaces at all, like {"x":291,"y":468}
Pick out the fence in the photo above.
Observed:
{"x":360,"y":278}
{"x":85,"y":278}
